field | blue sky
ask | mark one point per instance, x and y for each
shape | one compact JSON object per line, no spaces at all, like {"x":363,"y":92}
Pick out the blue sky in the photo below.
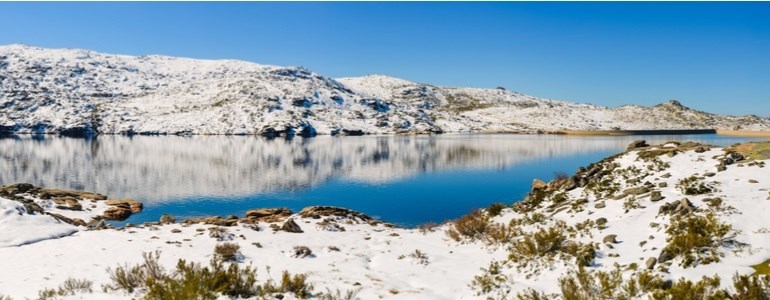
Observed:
{"x":711,"y":56}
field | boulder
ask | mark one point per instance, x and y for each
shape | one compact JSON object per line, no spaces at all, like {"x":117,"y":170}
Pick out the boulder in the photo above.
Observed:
{"x":57,"y":193}
{"x":656,"y":196}
{"x":116,"y":213}
{"x":651,"y":263}
{"x":610,"y":239}
{"x":268,"y":214}
{"x":291,"y":226}
{"x":538,"y":184}
{"x":133,"y":205}
{"x":167,"y":219}
{"x":636,"y":190}
{"x":637,"y":144}
{"x":69,"y":203}
{"x":664,"y":256}
{"x":14,"y":189}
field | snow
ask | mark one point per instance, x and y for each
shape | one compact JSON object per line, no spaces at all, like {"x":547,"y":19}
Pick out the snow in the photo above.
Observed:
{"x":56,"y":90}
{"x":375,"y":259}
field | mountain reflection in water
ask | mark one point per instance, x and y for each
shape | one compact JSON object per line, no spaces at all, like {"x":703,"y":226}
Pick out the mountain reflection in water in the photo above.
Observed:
{"x":404,"y":179}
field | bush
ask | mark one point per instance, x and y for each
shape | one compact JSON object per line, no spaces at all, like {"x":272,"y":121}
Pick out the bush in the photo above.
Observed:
{"x":70,"y":287}
{"x":696,"y":238}
{"x":194,"y":281}
{"x":548,"y":242}
{"x":227,"y":252}
{"x":495,"y":209}
{"x":693,"y":186}
{"x":472,"y":226}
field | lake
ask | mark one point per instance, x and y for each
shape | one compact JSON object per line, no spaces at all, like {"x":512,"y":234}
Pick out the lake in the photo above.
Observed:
{"x":406,"y":180}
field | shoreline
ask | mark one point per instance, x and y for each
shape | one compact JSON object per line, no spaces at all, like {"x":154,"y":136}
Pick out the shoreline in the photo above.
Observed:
{"x":724,"y":132}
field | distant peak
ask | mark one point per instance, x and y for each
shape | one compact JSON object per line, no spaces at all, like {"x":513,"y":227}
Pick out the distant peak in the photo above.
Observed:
{"x":672,"y":103}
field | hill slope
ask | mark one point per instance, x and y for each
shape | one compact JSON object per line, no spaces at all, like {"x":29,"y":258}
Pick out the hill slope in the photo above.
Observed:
{"x":74,"y":92}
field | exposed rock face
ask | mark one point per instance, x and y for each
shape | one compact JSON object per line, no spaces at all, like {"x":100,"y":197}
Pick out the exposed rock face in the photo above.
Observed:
{"x":637,"y":144}
{"x":268,"y":215}
{"x":130,"y":204}
{"x":317,"y":212}
{"x":650,"y":263}
{"x":291,"y":226}
{"x":116,"y":213}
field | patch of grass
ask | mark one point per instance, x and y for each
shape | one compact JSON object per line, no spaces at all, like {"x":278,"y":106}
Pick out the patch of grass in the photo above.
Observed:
{"x":338,"y":295}
{"x":762,"y":268}
{"x":194,"y":281}
{"x":495,"y":209}
{"x":69,"y":287}
{"x":227,"y":251}
{"x":696,"y":238}
{"x":491,"y":279}
{"x":547,"y":243}
{"x":472,"y":226}
{"x":693,"y":186}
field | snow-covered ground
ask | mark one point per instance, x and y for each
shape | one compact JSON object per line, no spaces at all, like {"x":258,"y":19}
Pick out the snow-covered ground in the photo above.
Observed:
{"x":379,"y":261}
{"x":74,"y":91}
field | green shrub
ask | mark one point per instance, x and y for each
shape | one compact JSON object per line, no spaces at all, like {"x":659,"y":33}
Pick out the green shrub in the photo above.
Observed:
{"x":693,"y":186}
{"x":227,"y":251}
{"x":491,"y":279}
{"x":495,"y":209}
{"x":548,"y":242}
{"x":696,"y":238}
{"x":69,"y":287}
{"x":472,"y":226}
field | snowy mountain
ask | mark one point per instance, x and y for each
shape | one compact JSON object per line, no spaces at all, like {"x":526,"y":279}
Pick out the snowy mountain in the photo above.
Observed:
{"x":75,"y":92}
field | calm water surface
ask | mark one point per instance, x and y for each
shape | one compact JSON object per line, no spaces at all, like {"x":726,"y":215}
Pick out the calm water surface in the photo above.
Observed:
{"x":405,"y":180}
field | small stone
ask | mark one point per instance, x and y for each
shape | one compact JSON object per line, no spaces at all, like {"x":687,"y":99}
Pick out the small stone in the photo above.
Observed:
{"x":667,"y":175}
{"x":610,"y":239}
{"x":176,"y":230}
{"x":600,"y":205}
{"x":642,"y":243}
{"x":753,"y":181}
{"x":663,"y":184}
{"x":637,"y":144}
{"x":601,"y":221}
{"x":651,"y":263}
{"x":709,"y":174}
{"x":655,"y":196}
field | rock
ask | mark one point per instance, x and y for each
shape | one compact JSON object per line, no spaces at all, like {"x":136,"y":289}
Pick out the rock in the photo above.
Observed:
{"x":667,"y":175}
{"x":684,"y":207}
{"x":301,"y":252}
{"x":57,"y":193}
{"x":651,"y":263}
{"x":268,"y":215}
{"x":133,"y":205}
{"x":700,"y":149}
{"x":69,"y":203}
{"x":601,"y":221}
{"x":610,"y":239}
{"x":709,"y":174}
{"x":600,"y":205}
{"x":636,"y":190}
{"x":14,"y":189}
{"x":637,"y":144}
{"x":176,"y":230}
{"x":663,"y":184}
{"x":291,"y":226}
{"x":116,"y":213}
{"x":167,"y":219}
{"x":753,"y":181}
{"x":656,"y":196}
{"x":317,"y":212}
{"x":664,"y":256}
{"x":721,"y":168}
{"x":538,"y":184}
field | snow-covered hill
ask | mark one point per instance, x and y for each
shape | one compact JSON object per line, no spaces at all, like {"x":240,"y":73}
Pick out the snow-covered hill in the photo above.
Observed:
{"x":75,"y":92}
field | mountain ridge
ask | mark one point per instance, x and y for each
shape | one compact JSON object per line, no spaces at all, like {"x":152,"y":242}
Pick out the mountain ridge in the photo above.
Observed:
{"x":81,"y":92}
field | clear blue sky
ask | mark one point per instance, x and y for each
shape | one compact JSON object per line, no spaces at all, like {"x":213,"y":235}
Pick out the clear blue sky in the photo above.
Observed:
{"x":711,"y":56}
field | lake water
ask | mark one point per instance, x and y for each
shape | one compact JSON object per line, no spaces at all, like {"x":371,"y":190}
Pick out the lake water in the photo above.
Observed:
{"x":407,"y":180}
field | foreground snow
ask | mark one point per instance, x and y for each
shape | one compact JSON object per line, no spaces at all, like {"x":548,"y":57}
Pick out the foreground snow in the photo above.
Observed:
{"x":380,"y":261}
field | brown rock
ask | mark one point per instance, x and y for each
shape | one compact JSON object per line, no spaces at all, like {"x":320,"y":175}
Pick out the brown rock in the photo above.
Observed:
{"x":291,"y":226}
{"x":268,"y":214}
{"x":637,"y":144}
{"x":116,"y":213}
{"x":538,"y":184}
{"x":167,"y":219}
